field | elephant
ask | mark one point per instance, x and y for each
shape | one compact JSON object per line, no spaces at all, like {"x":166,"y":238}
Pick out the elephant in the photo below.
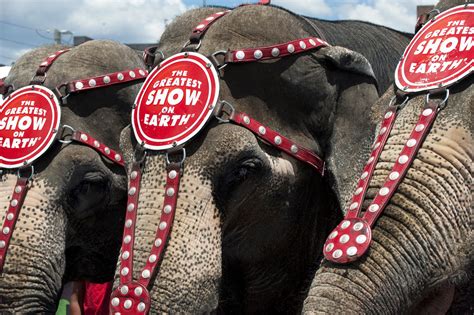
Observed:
{"x":250,"y":221}
{"x":69,"y":227}
{"x":3,"y":73}
{"x":421,"y":257}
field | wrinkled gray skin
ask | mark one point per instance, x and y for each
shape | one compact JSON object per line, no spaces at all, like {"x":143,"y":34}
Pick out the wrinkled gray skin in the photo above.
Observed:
{"x":421,"y":257}
{"x":69,"y":224}
{"x":251,"y":220}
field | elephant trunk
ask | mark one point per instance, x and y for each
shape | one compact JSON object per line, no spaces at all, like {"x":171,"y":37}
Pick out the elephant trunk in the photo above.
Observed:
{"x":190,"y":270}
{"x":422,"y":244}
{"x":35,"y":262}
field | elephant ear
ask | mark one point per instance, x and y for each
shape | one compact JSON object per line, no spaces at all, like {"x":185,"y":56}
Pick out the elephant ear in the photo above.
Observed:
{"x":346,"y":60}
{"x":353,"y":125}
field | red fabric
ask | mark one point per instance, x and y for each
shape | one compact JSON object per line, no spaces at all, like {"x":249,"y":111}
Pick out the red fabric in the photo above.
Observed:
{"x":97,"y":297}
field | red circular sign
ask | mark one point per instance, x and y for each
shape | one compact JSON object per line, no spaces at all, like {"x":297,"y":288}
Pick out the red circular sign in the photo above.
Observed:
{"x":440,"y":54}
{"x":175,"y":102}
{"x":29,"y":120}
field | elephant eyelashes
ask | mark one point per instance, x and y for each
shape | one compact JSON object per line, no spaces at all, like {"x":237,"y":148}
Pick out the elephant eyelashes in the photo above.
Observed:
{"x":87,"y":194}
{"x":244,"y":170}
{"x":233,"y":177}
{"x":236,"y":175}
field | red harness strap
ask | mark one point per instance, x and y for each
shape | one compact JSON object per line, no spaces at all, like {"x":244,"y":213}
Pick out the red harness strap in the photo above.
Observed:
{"x":277,"y":140}
{"x":40,"y":74}
{"x":352,"y":237}
{"x":149,"y":54}
{"x":202,"y":27}
{"x":18,"y":196}
{"x":275,"y":51}
{"x":363,"y":184}
{"x":196,"y":35}
{"x":84,"y":138}
{"x":101,"y":81}
{"x":133,"y":297}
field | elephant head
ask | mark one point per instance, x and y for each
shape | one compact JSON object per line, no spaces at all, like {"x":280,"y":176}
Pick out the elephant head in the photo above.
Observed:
{"x":421,"y":256}
{"x":70,"y":223}
{"x":250,"y":219}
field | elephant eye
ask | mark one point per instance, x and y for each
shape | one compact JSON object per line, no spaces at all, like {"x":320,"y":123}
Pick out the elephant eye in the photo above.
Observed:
{"x":241,"y":172}
{"x":245,"y":169}
{"x":237,"y":178}
{"x":87,"y":194}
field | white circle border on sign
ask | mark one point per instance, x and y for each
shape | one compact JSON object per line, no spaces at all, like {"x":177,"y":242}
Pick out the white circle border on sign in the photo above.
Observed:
{"x":55,"y":108}
{"x":432,"y":85}
{"x":210,"y":103}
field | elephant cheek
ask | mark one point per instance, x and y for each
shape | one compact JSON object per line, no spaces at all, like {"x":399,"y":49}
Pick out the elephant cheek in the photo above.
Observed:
{"x":34,"y":265}
{"x":189,"y":275}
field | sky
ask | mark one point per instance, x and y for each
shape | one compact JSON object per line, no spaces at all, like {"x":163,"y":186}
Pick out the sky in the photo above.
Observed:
{"x":25,"y":24}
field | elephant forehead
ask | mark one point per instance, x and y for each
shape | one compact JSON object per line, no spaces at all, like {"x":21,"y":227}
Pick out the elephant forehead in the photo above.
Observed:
{"x":221,"y":139}
{"x":246,"y":25}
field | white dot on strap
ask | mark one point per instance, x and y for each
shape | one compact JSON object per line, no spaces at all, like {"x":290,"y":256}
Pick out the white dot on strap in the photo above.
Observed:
{"x":240,"y":55}
{"x":337,"y":253}
{"x":420,"y":127}
{"x":361,"y":239}
{"x":258,"y":54}
{"x":427,"y":112}
{"x":394,"y":175}
{"x":384,"y":191}
{"x":374,"y":208}
{"x":411,"y":143}
{"x":403,"y":159}
{"x":351,"y":251}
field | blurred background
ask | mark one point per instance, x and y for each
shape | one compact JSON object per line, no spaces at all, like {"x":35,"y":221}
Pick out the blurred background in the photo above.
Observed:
{"x":26,"y":24}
